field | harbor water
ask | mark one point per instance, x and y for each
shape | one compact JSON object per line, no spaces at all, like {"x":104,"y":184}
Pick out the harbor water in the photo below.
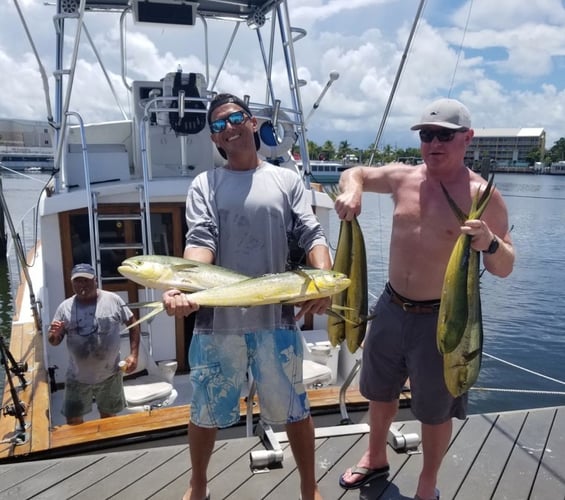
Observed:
{"x":524,"y":328}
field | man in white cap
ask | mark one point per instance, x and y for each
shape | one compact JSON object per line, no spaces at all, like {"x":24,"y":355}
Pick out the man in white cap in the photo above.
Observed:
{"x":92,"y":320}
{"x":401,"y":341}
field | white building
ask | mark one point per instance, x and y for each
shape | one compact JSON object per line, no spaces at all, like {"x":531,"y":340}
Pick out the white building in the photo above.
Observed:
{"x":504,"y":148}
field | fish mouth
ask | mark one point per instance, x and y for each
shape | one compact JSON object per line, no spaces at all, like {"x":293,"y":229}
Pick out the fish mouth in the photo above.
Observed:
{"x":127,"y":267}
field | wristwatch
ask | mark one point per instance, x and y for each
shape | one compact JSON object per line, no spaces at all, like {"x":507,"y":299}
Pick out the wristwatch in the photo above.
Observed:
{"x":493,"y":247}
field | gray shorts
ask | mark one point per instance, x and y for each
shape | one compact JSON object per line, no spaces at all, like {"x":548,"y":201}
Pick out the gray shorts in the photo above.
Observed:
{"x":401,"y":344}
{"x":109,"y":396}
{"x":219,"y":365}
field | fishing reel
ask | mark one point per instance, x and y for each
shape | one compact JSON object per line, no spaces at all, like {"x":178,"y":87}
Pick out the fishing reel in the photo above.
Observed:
{"x":11,"y":411}
{"x":19,"y":368}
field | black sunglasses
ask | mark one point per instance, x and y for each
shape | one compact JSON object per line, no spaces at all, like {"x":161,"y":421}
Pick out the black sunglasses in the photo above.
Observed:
{"x":236,"y":118}
{"x":443,"y":135}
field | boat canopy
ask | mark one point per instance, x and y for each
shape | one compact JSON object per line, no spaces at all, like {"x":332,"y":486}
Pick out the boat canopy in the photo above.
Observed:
{"x":172,"y":11}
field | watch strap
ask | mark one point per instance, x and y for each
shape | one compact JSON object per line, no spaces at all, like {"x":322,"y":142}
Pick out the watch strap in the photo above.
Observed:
{"x":493,"y":247}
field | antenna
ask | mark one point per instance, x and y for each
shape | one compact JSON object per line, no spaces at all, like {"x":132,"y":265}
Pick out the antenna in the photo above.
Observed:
{"x":334,"y":75}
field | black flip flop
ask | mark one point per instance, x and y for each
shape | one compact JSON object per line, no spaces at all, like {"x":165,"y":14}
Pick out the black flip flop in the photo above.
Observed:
{"x":367,"y":475}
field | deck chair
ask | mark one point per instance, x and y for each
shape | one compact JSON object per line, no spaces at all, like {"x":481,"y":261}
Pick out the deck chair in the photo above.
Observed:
{"x":314,"y":375}
{"x":147,"y":386}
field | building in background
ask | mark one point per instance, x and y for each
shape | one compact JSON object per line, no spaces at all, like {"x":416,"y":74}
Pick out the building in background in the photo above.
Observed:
{"x":26,"y":144}
{"x":505,"y":149}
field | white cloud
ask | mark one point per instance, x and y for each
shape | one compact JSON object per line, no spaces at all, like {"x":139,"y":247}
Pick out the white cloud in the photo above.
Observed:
{"x":510,"y":71}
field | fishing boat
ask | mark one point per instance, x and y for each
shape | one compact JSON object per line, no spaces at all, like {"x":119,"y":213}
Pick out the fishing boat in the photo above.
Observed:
{"x":118,"y":189}
{"x":327,"y":172}
{"x":556,"y":168}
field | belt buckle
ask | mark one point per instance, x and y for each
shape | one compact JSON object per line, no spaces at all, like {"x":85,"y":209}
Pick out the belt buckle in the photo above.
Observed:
{"x":407,"y":306}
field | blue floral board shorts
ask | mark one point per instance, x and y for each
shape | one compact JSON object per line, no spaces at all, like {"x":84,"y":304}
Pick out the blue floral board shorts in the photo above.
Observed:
{"x":219,"y":366}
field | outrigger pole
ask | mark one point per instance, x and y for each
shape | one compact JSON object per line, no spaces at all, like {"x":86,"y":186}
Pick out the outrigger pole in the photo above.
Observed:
{"x":396,"y":80}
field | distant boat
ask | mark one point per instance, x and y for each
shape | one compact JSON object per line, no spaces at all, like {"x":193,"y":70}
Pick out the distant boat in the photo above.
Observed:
{"x":327,"y":172}
{"x":24,"y":158}
{"x":556,"y":168}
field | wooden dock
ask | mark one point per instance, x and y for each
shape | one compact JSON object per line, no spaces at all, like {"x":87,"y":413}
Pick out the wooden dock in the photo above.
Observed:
{"x":513,"y":455}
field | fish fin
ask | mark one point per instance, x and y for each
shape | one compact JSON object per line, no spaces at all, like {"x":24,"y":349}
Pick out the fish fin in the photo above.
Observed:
{"x":461,"y":216}
{"x":335,"y":314}
{"x":308,"y":279}
{"x":332,"y":190}
{"x":482,"y":201}
{"x":158,"y":307}
{"x":184,"y":267}
{"x":139,"y":305}
{"x":342,"y":308}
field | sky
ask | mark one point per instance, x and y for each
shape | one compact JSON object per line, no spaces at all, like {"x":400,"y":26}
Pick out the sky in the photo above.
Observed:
{"x":504,"y":59}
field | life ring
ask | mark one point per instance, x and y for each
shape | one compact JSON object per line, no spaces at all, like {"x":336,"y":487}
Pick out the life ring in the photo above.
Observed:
{"x":276,"y":142}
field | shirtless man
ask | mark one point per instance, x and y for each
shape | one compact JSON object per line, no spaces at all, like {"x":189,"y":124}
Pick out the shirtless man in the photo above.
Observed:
{"x":401,"y":342}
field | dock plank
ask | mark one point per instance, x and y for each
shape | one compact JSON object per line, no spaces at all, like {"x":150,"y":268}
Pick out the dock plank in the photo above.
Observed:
{"x":550,"y":480}
{"x":119,"y":480}
{"x":100,"y":467}
{"x":462,"y":452}
{"x":486,"y":469}
{"x":13,"y":474}
{"x":40,"y":483}
{"x":519,"y":474}
{"x":164,"y":473}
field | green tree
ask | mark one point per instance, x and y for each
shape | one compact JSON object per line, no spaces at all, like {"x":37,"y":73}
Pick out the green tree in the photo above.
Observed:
{"x":533,"y":156}
{"x":557,"y":152}
{"x":343,"y":149}
{"x":328,"y":150}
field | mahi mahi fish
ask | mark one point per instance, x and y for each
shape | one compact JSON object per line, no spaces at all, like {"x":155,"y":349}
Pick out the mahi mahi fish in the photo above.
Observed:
{"x":462,"y":364}
{"x":164,"y":273}
{"x":290,"y":287}
{"x":454,"y":305}
{"x":351,"y":259}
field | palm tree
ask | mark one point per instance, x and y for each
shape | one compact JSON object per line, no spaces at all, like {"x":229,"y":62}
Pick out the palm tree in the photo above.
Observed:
{"x":343,"y":149}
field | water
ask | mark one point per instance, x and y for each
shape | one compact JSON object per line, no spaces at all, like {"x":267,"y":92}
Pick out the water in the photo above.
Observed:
{"x":523,"y":322}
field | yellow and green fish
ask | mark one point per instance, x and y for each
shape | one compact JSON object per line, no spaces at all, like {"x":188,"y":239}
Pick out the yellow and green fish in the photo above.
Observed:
{"x":290,"y":287}
{"x":460,"y":323}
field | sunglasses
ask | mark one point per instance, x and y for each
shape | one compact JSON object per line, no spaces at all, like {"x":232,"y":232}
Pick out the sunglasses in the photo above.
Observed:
{"x":236,"y":118}
{"x":442,"y":135}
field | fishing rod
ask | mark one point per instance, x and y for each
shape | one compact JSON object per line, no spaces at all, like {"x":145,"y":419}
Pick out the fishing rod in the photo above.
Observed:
{"x":17,"y":408}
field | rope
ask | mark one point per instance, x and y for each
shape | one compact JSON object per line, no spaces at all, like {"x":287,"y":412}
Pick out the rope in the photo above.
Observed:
{"x":523,"y":391}
{"x":525,"y":369}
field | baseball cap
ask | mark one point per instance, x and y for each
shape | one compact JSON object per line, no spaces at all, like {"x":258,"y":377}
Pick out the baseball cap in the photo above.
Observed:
{"x":222,"y":99}
{"x":447,"y":113}
{"x":83,"y":271}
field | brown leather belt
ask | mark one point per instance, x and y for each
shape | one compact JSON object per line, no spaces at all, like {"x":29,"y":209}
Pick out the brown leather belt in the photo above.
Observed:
{"x":412,"y":306}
